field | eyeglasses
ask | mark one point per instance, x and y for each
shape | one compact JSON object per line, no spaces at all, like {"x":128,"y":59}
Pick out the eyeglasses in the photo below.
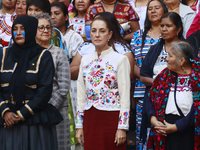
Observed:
{"x":42,"y":28}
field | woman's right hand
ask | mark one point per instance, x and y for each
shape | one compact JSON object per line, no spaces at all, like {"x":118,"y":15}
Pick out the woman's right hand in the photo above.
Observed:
{"x":10,"y":119}
{"x":156,"y":124}
{"x":79,"y":135}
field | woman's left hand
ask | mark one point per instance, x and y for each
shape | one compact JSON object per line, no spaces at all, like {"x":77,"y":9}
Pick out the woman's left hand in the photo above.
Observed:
{"x":169,"y":128}
{"x":120,"y":137}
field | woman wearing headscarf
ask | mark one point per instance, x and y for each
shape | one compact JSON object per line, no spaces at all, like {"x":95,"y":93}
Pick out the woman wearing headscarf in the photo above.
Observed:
{"x":26,"y":79}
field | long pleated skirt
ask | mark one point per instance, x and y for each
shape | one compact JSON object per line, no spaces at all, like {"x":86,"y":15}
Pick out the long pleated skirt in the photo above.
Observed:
{"x":26,"y":137}
{"x":99,"y":130}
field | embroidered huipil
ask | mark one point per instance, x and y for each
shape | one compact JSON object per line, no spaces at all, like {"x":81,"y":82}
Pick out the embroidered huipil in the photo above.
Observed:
{"x":104,"y":83}
{"x":183,"y":96}
{"x":122,"y":11}
{"x":6,"y":22}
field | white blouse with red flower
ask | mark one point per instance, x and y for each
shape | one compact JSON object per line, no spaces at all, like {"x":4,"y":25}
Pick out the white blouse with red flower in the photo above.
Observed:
{"x":6,"y":22}
{"x":104,"y":83}
{"x":183,"y":96}
{"x":79,"y":25}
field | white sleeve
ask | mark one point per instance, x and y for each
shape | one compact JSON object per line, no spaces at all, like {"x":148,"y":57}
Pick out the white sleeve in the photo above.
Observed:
{"x":81,"y":95}
{"x":123,"y":78}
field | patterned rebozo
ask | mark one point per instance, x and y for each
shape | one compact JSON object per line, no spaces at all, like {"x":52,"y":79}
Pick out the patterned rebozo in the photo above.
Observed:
{"x":159,"y":97}
{"x":122,"y":11}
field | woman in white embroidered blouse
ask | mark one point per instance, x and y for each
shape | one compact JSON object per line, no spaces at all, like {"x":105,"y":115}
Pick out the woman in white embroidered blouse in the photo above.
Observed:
{"x":7,"y":16}
{"x":103,"y":94}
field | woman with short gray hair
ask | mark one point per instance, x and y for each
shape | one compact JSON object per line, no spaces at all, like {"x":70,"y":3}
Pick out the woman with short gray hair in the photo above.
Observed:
{"x":48,"y":18}
{"x":61,"y":82}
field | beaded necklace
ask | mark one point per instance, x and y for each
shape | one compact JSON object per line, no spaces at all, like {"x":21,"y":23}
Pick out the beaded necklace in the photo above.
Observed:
{"x":151,"y":38}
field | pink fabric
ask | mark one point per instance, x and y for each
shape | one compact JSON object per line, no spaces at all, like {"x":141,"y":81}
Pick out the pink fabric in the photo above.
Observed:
{"x":195,"y":26}
{"x":70,"y":7}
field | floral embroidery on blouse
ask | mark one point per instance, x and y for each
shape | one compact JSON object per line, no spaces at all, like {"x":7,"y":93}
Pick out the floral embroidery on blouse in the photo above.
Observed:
{"x":123,"y":119}
{"x":79,"y":119}
{"x":6,"y":22}
{"x":96,"y":75}
{"x":110,"y":68}
{"x":79,"y":25}
{"x":110,"y":82}
{"x":95,"y":60}
{"x":99,"y":78}
{"x":183,"y":83}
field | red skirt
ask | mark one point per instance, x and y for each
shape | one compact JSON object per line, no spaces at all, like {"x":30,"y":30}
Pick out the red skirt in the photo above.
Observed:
{"x":99,"y":130}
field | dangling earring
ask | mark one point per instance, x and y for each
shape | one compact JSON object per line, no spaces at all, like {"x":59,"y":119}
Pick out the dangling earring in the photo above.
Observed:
{"x":184,"y":70}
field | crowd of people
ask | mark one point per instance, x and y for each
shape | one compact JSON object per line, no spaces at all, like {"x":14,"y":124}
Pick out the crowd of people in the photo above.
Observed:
{"x":73,"y":73}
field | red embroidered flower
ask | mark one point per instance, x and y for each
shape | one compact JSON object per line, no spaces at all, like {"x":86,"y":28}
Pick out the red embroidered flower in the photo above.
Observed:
{"x":125,"y":114}
{"x":4,"y":43}
{"x":182,"y":80}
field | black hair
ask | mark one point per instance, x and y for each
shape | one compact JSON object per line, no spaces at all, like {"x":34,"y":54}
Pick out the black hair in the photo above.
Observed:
{"x":147,"y":23}
{"x":74,"y":8}
{"x":115,"y":28}
{"x":44,"y":5}
{"x":184,"y":2}
{"x":63,"y":8}
{"x":176,"y":19}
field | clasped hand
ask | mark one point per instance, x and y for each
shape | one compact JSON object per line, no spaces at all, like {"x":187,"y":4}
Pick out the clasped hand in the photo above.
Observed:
{"x":163,"y":128}
{"x":10,"y":119}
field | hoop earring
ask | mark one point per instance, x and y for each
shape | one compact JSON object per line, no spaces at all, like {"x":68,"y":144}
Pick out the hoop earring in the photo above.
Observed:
{"x":184,"y":70}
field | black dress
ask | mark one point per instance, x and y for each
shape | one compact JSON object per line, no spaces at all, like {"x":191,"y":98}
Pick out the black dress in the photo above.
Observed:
{"x":37,"y":130}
